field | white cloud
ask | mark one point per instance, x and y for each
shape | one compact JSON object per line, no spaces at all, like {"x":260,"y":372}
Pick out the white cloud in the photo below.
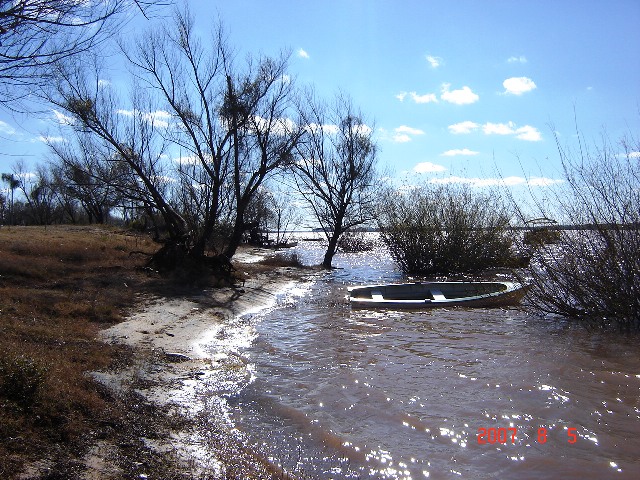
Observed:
{"x":279,"y":126}
{"x":462,"y":96}
{"x":528,"y":133}
{"x":401,"y":138}
{"x":543,"y":182}
{"x":159,"y":118}
{"x":435,"y":62}
{"x":416,"y":97}
{"x":428,"y":167}
{"x":405,"y":134}
{"x":465,"y":152}
{"x":518,"y":85}
{"x":63,"y":119}
{"x":6,"y":128}
{"x":49,"y":139}
{"x":328,"y":129}
{"x":498,"y":128}
{"x":362,"y":129}
{"x":302,"y":53}
{"x":520,"y":59}
{"x":188,"y":160}
{"x":409,"y":130}
{"x":634,"y":155}
{"x":426,"y":98}
{"x":26,"y":176}
{"x":102,"y":83}
{"x":463,"y":127}
{"x":493,"y":182}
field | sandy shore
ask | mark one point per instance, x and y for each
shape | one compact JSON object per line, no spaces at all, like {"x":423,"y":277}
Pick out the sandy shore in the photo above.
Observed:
{"x":183,"y":347}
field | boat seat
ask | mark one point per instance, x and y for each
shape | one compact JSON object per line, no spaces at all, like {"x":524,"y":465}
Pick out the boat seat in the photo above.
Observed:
{"x":437,"y":295}
{"x":376,"y":295}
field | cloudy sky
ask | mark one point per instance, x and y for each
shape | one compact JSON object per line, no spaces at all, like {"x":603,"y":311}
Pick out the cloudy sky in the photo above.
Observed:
{"x":462,"y":90}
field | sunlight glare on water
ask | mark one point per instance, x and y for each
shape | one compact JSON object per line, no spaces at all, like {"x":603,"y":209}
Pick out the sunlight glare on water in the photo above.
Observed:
{"x":446,"y":393}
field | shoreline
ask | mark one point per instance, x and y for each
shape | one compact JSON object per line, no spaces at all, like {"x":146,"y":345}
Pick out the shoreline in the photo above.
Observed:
{"x":172,"y":370}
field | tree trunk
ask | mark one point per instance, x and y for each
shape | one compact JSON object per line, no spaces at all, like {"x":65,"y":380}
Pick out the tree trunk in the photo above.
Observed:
{"x":331,"y":249}
{"x":235,"y":239}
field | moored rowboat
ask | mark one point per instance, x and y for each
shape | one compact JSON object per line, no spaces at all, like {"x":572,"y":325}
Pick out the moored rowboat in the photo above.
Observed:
{"x":437,"y":294}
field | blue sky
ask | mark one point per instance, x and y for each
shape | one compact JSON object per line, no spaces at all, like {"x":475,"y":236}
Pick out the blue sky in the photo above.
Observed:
{"x":456,"y":89}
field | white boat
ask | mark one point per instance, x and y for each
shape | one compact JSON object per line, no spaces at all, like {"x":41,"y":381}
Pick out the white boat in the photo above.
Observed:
{"x":437,"y":294}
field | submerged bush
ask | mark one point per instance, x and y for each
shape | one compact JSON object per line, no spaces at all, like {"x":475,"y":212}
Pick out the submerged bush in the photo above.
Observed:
{"x":445,"y":230}
{"x":592,"y":272}
{"x":354,"y":242}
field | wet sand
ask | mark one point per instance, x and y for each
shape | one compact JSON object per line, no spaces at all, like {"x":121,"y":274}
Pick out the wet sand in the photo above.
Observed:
{"x":169,"y":367}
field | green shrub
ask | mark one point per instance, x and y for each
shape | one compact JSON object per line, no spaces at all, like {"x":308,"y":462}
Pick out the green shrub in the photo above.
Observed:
{"x":445,"y":230}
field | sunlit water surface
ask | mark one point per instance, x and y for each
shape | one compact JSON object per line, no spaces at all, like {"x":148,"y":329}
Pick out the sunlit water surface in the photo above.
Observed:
{"x":339,"y":393}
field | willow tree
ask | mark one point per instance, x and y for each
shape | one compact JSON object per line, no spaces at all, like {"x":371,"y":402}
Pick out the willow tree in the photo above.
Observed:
{"x":335,"y":169}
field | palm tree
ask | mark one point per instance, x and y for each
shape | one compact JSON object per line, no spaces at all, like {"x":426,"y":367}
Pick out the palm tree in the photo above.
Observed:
{"x":13,"y":182}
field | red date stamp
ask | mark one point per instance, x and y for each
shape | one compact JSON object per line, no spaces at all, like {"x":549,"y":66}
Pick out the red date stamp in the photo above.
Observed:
{"x":508,"y":435}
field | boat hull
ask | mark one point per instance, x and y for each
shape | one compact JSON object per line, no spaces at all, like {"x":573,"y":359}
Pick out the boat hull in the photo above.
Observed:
{"x":423,"y":295}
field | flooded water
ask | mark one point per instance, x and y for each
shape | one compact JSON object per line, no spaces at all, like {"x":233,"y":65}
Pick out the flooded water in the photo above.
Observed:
{"x":342,"y":393}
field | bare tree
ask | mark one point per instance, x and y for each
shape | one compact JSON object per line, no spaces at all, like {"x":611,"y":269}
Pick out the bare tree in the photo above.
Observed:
{"x":231,"y":120}
{"x":263,"y":138}
{"x":3,"y":207}
{"x":35,"y":34}
{"x":39,"y":194}
{"x":335,"y":171}
{"x":283,"y":214}
{"x":82,"y":173}
{"x":128,"y":138}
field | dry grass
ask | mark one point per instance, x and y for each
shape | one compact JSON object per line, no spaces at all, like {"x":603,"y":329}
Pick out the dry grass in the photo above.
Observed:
{"x":58,"y":287}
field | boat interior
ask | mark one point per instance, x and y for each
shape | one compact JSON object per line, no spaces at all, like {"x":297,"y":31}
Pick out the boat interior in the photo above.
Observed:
{"x":439,"y":292}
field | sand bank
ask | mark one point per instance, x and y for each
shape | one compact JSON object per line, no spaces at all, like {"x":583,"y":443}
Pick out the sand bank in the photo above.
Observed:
{"x":183,"y":347}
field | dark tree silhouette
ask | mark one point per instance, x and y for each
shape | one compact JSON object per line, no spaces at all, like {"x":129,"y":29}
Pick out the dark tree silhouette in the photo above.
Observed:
{"x":335,"y":171}
{"x":35,"y":34}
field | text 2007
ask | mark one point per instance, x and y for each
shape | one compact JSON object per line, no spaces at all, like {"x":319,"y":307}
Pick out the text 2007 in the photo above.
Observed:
{"x":508,"y":435}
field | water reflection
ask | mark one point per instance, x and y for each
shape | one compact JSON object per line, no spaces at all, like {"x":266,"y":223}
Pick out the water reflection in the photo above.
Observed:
{"x":337,"y":393}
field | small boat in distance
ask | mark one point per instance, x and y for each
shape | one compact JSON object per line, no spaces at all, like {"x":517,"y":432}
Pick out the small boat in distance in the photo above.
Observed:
{"x":437,"y":294}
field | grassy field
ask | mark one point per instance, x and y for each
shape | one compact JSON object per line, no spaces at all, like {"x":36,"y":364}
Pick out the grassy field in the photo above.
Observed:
{"x":58,"y":287}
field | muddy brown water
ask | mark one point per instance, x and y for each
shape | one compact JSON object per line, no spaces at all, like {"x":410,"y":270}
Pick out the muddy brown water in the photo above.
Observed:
{"x":458,"y":393}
